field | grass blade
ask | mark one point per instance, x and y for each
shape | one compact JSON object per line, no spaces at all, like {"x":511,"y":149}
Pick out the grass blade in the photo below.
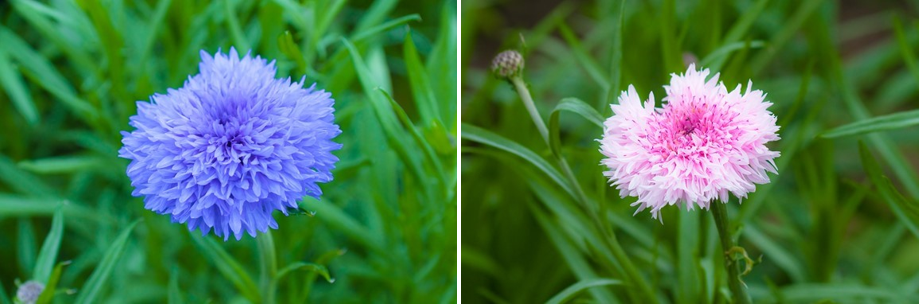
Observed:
{"x":575,"y":106}
{"x":26,"y":246}
{"x":906,"y":210}
{"x":738,"y":31}
{"x":292,"y":50}
{"x":384,"y":27}
{"x":227,"y":266}
{"x":51,"y":286}
{"x":64,"y":164}
{"x":571,"y":291}
{"x":418,"y":78}
{"x":583,"y":57}
{"x":906,"y":49}
{"x":309,"y":267}
{"x":485,"y":137}
{"x":174,"y":295}
{"x":48,"y":254}
{"x":98,"y":279}
{"x":48,"y":77}
{"x":723,"y":52}
{"x":235,"y":30}
{"x":881,"y":123}
{"x":11,"y":81}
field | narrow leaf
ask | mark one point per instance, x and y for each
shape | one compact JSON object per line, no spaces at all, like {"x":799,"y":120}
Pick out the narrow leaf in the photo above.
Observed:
{"x":174,"y":293}
{"x":227,"y":266}
{"x":881,"y":123}
{"x":51,"y":286}
{"x":572,"y":290}
{"x":906,"y":210}
{"x":100,"y":276}
{"x":48,"y":253}
{"x":292,"y":50}
{"x":483,"y":136}
{"x":309,"y":267}
{"x":575,"y":106}
{"x":11,"y":81}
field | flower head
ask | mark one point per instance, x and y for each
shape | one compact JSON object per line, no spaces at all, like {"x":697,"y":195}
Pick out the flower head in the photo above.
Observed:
{"x":704,"y":143}
{"x":231,"y":146}
{"x":29,"y":292}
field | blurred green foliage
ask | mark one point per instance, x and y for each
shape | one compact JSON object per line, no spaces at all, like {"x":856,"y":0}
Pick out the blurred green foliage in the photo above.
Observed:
{"x":823,"y":229}
{"x":384,"y":231}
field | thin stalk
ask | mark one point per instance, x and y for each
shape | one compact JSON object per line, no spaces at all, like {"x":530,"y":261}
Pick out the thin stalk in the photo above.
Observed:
{"x":609,"y":236}
{"x":269,"y":267}
{"x":738,"y":292}
{"x":531,"y":106}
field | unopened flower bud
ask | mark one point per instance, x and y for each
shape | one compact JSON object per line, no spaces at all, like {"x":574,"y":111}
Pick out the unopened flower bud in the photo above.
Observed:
{"x":507,"y":64}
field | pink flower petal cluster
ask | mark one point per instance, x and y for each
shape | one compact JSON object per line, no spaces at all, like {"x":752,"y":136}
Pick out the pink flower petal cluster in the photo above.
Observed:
{"x":704,"y":143}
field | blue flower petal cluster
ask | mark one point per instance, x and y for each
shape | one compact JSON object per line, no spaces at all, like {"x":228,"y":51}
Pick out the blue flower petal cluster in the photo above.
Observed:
{"x":231,"y":146}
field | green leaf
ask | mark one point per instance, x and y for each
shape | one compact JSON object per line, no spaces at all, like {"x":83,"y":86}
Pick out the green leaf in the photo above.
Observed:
{"x":737,"y":32}
{"x":385,"y":26}
{"x":175,"y":294}
{"x":906,"y":210}
{"x":615,"y":74}
{"x":808,"y":293}
{"x":48,"y":253}
{"x":386,"y":115}
{"x":51,"y":286}
{"x":577,"y":262}
{"x":292,"y":50}
{"x":583,"y":57}
{"x":64,"y":164}
{"x":268,"y":265}
{"x":162,"y":7}
{"x":483,"y":136}
{"x":442,"y":62}
{"x":13,"y":205}
{"x":22,"y":181}
{"x":38,"y":67}
{"x":881,"y":123}
{"x":100,"y":275}
{"x":334,"y":216}
{"x":722,"y":53}
{"x":309,"y":267}
{"x":418,"y":80}
{"x":775,"y":253}
{"x":905,"y":49}
{"x":11,"y":81}
{"x":420,"y":141}
{"x":26,"y":245}
{"x":575,"y":106}
{"x":572,"y":290}
{"x":235,"y":30}
{"x":790,"y":28}
{"x":227,"y":266}
{"x":687,"y":259}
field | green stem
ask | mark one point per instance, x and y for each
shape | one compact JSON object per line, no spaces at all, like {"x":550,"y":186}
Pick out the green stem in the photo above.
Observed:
{"x":738,"y":292}
{"x":531,"y":106}
{"x":608,"y":235}
{"x":269,"y":267}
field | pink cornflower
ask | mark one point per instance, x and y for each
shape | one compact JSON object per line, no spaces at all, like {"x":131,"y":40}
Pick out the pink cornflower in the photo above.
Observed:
{"x":704,"y":143}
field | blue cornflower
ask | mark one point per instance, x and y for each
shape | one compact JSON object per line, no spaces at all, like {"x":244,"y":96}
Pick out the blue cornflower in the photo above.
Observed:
{"x":231,"y":146}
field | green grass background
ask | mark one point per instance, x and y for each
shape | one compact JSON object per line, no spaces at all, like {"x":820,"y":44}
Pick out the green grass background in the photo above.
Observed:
{"x":837,"y":224}
{"x":384,"y":230}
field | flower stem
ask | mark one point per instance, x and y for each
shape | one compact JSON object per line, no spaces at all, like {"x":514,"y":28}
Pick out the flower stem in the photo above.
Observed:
{"x":608,"y":235}
{"x":269,"y":266}
{"x":531,"y":106}
{"x":738,"y":292}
